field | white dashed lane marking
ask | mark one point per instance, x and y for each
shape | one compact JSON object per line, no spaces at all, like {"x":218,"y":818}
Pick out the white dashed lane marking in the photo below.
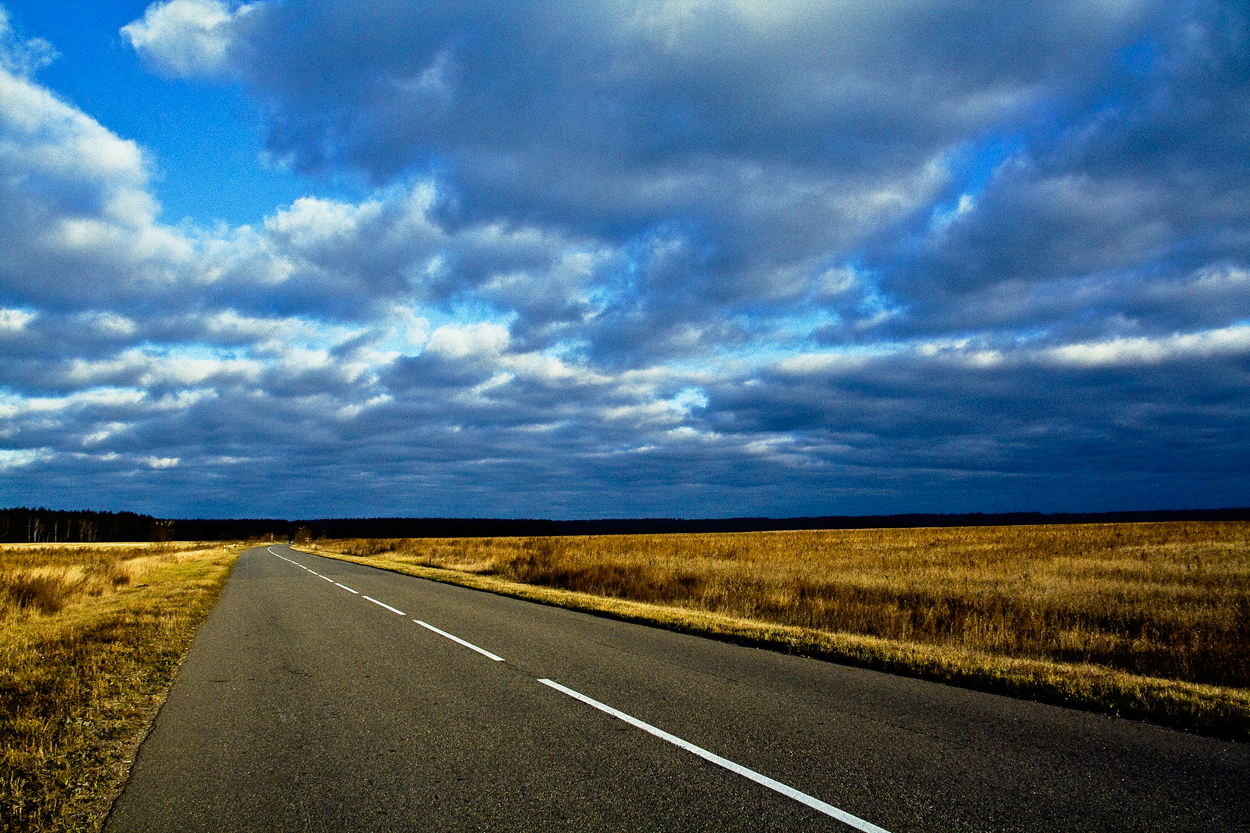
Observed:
{"x":711,"y":757}
{"x":383,"y":604}
{"x":460,"y":641}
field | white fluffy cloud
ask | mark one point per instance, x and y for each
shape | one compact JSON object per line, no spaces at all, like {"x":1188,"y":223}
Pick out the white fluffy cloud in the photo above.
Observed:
{"x":187,"y":37}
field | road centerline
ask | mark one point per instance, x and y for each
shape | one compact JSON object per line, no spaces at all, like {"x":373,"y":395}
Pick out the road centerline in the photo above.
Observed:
{"x":711,"y":757}
{"x":457,"y":639}
{"x":357,"y":592}
{"x":383,"y":604}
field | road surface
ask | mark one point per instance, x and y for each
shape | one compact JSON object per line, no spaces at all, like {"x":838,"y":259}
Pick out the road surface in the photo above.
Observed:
{"x":323,"y":695}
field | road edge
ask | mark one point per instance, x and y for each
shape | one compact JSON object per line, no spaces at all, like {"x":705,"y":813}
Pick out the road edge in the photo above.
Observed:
{"x":1209,"y":710}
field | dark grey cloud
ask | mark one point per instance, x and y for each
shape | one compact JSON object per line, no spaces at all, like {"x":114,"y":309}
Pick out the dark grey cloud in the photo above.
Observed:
{"x":1132,"y":218}
{"x":764,"y":144}
{"x":831,"y":86}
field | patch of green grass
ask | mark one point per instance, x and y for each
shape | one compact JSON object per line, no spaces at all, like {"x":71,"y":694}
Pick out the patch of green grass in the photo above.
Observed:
{"x":84,"y":665}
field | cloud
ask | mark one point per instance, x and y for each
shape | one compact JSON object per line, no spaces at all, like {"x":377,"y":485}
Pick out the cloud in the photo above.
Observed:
{"x":1232,"y":341}
{"x":21,"y":56}
{"x":675,"y":258}
{"x":740,"y":149}
{"x":187,"y":37}
{"x":1120,"y":221}
{"x":79,"y":219}
{"x":715,"y":162}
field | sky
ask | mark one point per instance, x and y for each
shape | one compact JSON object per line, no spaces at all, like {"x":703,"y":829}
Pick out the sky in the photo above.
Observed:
{"x":603,"y":258}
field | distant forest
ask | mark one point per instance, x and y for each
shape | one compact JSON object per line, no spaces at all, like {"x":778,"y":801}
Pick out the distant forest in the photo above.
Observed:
{"x":36,"y":526}
{"x":20,"y":525}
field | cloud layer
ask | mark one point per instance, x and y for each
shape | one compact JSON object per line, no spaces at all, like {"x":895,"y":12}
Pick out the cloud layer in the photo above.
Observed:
{"x":666,"y":258}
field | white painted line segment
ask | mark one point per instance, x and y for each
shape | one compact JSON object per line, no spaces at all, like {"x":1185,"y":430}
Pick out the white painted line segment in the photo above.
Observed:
{"x":383,"y":604}
{"x":457,"y":639}
{"x":711,"y":757}
{"x":763,"y":780}
{"x":348,"y":589}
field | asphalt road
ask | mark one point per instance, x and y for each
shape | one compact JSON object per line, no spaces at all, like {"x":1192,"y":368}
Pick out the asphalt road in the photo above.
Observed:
{"x":313,"y":699}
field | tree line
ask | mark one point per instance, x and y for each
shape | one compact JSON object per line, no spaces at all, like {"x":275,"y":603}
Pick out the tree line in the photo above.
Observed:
{"x":37,"y":526}
{"x":53,"y":526}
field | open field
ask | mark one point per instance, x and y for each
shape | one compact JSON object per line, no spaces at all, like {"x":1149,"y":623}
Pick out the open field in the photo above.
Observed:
{"x":90,"y":638}
{"x":1145,"y":620}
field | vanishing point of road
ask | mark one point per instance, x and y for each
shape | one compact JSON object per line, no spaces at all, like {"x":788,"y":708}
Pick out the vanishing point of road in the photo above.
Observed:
{"x":323,"y":695}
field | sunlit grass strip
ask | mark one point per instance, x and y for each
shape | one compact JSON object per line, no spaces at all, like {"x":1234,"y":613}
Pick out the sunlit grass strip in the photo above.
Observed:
{"x":986,"y":592}
{"x":84,"y":664}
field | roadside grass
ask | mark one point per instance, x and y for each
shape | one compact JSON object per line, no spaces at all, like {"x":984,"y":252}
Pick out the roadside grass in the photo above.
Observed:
{"x":1149,"y":621}
{"x":90,"y":639}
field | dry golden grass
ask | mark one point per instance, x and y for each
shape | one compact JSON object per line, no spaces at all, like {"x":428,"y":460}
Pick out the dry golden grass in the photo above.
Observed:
{"x":1150,"y":620}
{"x":90,"y":638}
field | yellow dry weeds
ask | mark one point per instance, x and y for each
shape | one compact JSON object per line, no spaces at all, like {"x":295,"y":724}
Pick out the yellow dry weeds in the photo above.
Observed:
{"x":90,"y":637}
{"x":1125,"y":618}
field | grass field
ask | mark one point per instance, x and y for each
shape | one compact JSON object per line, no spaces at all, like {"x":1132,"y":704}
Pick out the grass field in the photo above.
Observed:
{"x":1145,"y":620}
{"x":90,"y":638}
